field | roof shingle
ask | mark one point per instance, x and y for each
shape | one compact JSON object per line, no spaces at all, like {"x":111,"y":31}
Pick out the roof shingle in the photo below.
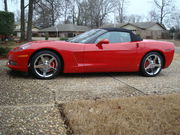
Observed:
{"x":66,"y":28}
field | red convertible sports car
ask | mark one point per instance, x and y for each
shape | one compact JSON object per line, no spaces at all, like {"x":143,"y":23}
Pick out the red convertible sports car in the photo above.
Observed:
{"x":98,"y":50}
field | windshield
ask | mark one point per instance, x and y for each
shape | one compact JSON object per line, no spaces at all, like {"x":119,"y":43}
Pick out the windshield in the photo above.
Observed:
{"x":87,"y":36}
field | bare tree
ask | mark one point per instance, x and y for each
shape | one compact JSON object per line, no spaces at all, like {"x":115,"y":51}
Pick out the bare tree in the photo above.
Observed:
{"x":67,"y":6}
{"x":47,"y":12}
{"x":153,"y":16}
{"x":94,"y":12}
{"x":164,"y":8}
{"x":5,"y":5}
{"x":175,"y":20}
{"x":121,"y":10}
{"x":73,"y":12}
{"x":22,"y":21}
{"x":42,"y":15}
{"x":17,"y":17}
{"x":82,"y":13}
{"x":134,"y":18}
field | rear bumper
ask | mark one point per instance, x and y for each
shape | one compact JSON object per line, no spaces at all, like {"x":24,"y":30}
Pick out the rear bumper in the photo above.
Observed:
{"x":18,"y":60}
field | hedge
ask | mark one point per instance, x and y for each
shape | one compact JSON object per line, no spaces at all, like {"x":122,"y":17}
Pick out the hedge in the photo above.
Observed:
{"x":6,"y":23}
{"x":4,"y":51}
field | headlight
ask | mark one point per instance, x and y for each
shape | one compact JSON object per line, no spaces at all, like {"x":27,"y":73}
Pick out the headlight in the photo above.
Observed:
{"x":25,"y":46}
{"x":22,"y":47}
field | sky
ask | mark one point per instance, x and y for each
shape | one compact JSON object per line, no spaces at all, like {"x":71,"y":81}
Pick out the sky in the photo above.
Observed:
{"x":139,"y":7}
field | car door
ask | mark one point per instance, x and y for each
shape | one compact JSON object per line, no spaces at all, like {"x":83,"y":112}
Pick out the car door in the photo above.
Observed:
{"x":118,"y":55}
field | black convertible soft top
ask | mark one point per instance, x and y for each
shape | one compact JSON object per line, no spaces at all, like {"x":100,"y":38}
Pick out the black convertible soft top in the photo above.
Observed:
{"x":117,"y":29}
{"x":133,"y":36}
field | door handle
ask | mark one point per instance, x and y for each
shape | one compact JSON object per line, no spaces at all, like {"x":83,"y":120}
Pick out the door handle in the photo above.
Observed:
{"x":137,"y":45}
{"x":99,"y":46}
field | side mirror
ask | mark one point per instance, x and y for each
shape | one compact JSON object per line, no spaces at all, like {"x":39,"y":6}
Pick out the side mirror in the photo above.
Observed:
{"x":104,"y":41}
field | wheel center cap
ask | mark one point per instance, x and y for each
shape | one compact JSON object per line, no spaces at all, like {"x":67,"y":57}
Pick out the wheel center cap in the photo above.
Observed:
{"x":46,"y":66}
{"x":152,"y":66}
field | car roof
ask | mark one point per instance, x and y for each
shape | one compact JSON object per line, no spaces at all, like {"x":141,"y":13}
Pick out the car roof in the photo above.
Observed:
{"x":117,"y":29}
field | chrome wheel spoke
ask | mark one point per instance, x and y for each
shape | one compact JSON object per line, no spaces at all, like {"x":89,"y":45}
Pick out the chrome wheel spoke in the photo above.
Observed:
{"x":152,"y":70}
{"x":149,"y":60}
{"x":39,"y":66}
{"x":51,"y":60}
{"x":155,"y":58}
{"x":148,"y":67}
{"x":42,"y":59}
{"x":50,"y":67}
{"x":44,"y":73}
{"x":157,"y":65}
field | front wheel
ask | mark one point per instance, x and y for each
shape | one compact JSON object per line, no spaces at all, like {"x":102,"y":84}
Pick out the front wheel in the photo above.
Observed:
{"x":45,"y":65}
{"x":151,"y":64}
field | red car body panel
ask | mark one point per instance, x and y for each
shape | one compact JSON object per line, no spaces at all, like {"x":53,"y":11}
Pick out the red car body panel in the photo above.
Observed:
{"x":111,"y":57}
{"x":78,"y":57}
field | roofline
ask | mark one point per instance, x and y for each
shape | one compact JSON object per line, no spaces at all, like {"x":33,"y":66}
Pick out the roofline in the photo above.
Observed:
{"x":147,"y":27}
{"x":61,"y":31}
{"x":133,"y":25}
{"x":162,"y":26}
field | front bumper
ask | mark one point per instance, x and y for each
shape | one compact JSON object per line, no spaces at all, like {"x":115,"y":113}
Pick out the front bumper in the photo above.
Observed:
{"x":169,"y":58}
{"x":18,"y":60}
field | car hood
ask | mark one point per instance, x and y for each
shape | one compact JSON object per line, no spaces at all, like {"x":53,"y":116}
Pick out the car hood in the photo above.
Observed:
{"x":61,"y":45}
{"x":48,"y":43}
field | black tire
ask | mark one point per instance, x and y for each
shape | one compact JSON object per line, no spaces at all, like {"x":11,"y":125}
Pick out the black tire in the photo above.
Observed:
{"x":45,"y":57}
{"x":151,"y":70}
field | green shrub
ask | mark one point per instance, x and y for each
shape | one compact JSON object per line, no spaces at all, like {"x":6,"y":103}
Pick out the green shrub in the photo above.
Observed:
{"x":46,"y":36}
{"x":4,"y":51}
{"x":6,"y":23}
{"x":63,"y":39}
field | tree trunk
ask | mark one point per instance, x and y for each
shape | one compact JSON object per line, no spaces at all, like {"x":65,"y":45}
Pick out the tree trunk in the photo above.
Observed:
{"x":22,"y":21}
{"x":73,"y":15}
{"x":78,"y":17}
{"x":29,"y":27}
{"x":5,"y":6}
{"x":53,"y":20}
{"x":162,"y":13}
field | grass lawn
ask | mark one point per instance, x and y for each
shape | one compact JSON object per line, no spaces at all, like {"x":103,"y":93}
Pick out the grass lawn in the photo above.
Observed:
{"x":148,"y":115}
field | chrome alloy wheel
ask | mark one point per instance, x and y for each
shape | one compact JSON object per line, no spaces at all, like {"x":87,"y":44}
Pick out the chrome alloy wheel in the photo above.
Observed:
{"x":152,"y":64}
{"x":45,"y":65}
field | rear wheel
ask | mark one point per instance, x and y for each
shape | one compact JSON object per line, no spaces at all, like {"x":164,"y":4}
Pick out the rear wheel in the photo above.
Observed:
{"x":151,"y":64}
{"x":45,"y":65}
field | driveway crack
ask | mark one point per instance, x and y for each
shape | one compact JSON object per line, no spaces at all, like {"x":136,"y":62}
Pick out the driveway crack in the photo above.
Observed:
{"x":60,"y":108}
{"x":138,"y":90}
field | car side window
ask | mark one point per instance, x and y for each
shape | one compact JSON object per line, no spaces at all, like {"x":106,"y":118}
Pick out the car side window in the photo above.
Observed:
{"x":115,"y":37}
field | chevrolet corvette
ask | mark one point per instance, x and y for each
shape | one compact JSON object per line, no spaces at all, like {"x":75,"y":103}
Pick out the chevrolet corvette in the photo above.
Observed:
{"x":98,"y":50}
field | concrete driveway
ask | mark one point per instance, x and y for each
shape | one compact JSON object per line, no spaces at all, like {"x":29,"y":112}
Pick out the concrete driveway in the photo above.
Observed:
{"x":177,"y":49}
{"x":29,"y":106}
